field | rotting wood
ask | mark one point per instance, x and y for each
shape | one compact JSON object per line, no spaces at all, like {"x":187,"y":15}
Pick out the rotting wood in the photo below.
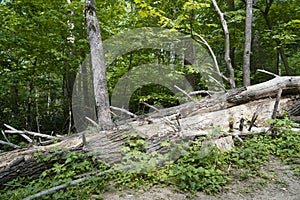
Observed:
{"x":255,"y":116}
{"x":124,"y":111}
{"x":274,"y":114}
{"x":184,"y":92}
{"x":197,"y":120}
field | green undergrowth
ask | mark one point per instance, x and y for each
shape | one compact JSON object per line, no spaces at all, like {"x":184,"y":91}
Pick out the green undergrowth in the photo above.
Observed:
{"x":189,"y":166}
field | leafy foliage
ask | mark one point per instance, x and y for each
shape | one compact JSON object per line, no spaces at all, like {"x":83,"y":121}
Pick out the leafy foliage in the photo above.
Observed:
{"x":198,"y":167}
{"x":43,"y":43}
{"x":71,"y":165}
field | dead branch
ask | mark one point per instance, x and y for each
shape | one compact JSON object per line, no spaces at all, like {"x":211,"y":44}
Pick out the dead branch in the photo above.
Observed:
{"x":213,"y":56}
{"x":124,"y":111}
{"x":92,"y":121}
{"x":77,"y":181}
{"x":33,"y":134}
{"x":276,"y":103}
{"x":218,"y":83}
{"x":267,"y":72}
{"x":4,"y":136}
{"x":196,"y":120}
{"x":168,"y":121}
{"x":201,"y":92}
{"x":184,"y":92}
{"x":44,"y":143}
{"x":22,"y":134}
{"x":74,"y":182}
{"x":254,"y":116}
{"x":227,"y":44}
{"x":150,"y":106}
{"x":9,"y":144}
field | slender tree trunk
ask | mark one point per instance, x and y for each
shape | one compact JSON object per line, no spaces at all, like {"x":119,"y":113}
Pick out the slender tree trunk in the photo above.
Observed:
{"x":37,"y":110}
{"x":227,"y":44}
{"x":231,"y":7}
{"x":68,"y":83}
{"x":14,"y":99}
{"x":29,"y":105}
{"x":98,"y":66}
{"x":278,"y":71}
{"x":247,"y":48}
{"x":284,"y":59}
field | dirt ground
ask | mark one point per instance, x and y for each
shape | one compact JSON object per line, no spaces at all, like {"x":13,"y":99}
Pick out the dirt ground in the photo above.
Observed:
{"x":280,"y":184}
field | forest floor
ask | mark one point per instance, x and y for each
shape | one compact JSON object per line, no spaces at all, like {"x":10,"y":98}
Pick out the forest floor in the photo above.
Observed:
{"x":278,"y":183}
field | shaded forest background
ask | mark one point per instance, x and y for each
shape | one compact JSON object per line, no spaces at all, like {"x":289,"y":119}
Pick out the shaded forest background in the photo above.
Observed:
{"x":43,"y":44}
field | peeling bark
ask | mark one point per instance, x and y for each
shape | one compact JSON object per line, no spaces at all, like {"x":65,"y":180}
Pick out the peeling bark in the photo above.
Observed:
{"x":98,"y":66}
{"x":198,"y":118}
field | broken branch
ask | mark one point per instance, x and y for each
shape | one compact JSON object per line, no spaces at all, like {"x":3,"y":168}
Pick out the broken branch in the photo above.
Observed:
{"x":124,"y":111}
{"x":267,"y":72}
{"x":184,"y":92}
{"x":22,"y":134}
{"x":9,"y":144}
{"x":33,"y":134}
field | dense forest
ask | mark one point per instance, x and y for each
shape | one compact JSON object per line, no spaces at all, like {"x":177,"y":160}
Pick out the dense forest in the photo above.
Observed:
{"x":44,"y":43}
{"x":158,"y":82}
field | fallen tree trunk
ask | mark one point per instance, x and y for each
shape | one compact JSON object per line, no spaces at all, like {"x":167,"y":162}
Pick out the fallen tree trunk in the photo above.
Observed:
{"x":197,"y":118}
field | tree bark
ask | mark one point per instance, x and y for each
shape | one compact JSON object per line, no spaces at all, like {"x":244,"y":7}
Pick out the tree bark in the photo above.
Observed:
{"x":98,"y":66}
{"x":231,"y":7}
{"x":247,"y":48}
{"x":227,"y":45}
{"x":196,"y":118}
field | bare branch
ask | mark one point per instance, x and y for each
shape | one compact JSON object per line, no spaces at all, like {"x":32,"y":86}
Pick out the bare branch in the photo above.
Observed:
{"x":150,"y":106}
{"x":227,"y":44}
{"x":201,"y":92}
{"x":168,"y":121}
{"x":9,"y":144}
{"x":124,"y":111}
{"x":33,"y":134}
{"x":184,"y":92}
{"x":74,"y":182}
{"x":212,"y":54}
{"x":218,"y":83}
{"x":254,"y":116}
{"x":92,"y":121}
{"x":4,"y":136}
{"x":22,"y":134}
{"x":276,"y":104}
{"x":267,"y":72}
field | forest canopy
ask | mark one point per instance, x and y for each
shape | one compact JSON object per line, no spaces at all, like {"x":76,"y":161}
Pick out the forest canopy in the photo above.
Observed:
{"x":43,"y":44}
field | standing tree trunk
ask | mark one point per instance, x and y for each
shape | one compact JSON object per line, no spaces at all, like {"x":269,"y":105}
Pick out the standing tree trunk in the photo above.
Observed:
{"x":231,"y":7}
{"x":227,"y":44}
{"x":98,"y":66}
{"x":247,"y":48}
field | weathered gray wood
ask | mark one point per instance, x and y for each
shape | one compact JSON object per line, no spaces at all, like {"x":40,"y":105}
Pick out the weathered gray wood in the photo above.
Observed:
{"x":33,"y":134}
{"x":247,"y":46}
{"x":22,"y":134}
{"x":9,"y":144}
{"x":98,"y":66}
{"x":288,"y":84}
{"x":197,"y":118}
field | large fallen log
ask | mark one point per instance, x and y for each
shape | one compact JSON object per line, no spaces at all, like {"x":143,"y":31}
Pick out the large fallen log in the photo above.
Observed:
{"x":201,"y":117}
